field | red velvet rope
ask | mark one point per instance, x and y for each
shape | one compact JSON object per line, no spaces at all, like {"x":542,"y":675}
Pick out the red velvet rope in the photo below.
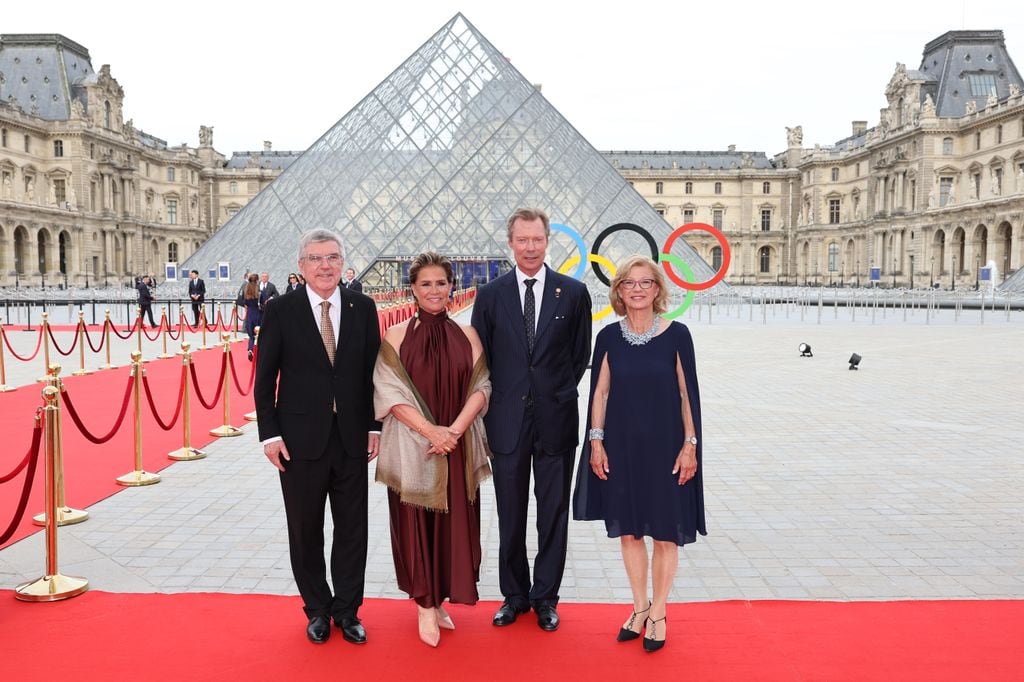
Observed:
{"x":31,"y":460}
{"x":191,"y":329}
{"x":120,"y":418}
{"x":159,"y":328}
{"x":39,"y":344}
{"x":25,"y":460}
{"x":218,"y":321}
{"x":181,"y":330}
{"x":129,"y":331}
{"x":152,"y":405}
{"x":57,"y":348}
{"x":252,"y":373}
{"x":220,"y":380}
{"x":95,"y":349}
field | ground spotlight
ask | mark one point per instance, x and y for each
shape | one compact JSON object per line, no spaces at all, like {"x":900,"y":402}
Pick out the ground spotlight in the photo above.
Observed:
{"x":805,"y":351}
{"x":854,"y":361}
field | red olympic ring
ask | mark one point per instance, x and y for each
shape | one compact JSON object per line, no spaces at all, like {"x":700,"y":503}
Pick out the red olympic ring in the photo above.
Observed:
{"x":726,"y":256}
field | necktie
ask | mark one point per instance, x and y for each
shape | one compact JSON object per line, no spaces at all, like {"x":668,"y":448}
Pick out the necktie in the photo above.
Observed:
{"x":327,"y":330}
{"x":530,"y":314}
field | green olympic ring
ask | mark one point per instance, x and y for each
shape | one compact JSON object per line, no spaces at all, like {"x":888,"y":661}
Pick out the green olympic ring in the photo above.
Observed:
{"x":690,"y":293}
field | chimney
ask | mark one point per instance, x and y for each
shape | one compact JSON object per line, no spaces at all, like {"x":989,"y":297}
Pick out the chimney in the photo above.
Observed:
{"x":859,"y":127}
{"x":266,"y":145}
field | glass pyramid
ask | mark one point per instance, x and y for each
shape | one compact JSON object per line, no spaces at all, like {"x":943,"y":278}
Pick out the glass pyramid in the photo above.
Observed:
{"x":437,"y":157}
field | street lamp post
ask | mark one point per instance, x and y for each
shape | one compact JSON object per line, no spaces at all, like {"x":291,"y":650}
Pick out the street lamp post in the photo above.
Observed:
{"x":952,"y":276}
{"x":911,"y":271}
{"x":858,"y":273}
{"x":977,"y":272}
{"x":894,"y":272}
{"x":931,"y":283}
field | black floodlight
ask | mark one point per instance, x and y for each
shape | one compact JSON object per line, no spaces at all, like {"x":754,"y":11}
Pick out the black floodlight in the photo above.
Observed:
{"x":805,"y":351}
{"x":854,"y":361}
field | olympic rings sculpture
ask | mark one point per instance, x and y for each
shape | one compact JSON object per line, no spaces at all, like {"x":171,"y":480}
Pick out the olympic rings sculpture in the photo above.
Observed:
{"x":664,"y":256}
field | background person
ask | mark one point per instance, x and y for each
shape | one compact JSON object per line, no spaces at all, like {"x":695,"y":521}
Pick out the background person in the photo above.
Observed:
{"x":293,"y":282}
{"x":640,"y":469}
{"x":146,"y":300}
{"x":314,"y":405}
{"x":196,"y":292}
{"x":534,"y":325}
{"x":351,"y":282}
{"x":251,"y":298}
{"x":433,"y":454}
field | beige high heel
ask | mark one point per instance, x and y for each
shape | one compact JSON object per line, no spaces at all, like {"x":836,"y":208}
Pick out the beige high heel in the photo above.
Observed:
{"x":443,"y":619}
{"x":428,"y":627}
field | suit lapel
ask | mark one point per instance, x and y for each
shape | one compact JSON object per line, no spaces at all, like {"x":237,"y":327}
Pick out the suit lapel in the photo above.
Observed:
{"x":509,"y":295}
{"x":549,"y":302}
{"x":347,"y":325}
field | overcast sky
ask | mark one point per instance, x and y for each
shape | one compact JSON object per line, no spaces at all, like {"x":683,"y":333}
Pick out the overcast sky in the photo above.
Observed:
{"x":655,"y":75}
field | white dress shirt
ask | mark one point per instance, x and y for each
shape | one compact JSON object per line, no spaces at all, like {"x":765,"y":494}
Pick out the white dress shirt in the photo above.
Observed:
{"x":538,"y":290}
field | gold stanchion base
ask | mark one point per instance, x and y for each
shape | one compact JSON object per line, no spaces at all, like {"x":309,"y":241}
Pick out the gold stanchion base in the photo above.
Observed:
{"x":164,"y":356}
{"x":66,"y":516}
{"x":226,"y":431}
{"x":251,"y":416}
{"x":4,"y":388}
{"x":108,"y":366}
{"x":186,"y":454}
{"x":81,"y":372}
{"x":42,"y":380}
{"x":51,"y":588}
{"x":134,"y":478}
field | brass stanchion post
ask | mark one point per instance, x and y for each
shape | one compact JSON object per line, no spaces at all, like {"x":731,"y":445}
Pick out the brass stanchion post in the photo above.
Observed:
{"x":186,"y":452}
{"x":203,"y":324}
{"x":4,"y":388}
{"x":251,"y":416}
{"x":138,"y":331}
{"x":165,"y":324}
{"x":81,"y":371}
{"x":226,"y":430}
{"x":52,"y":586}
{"x":106,"y":339}
{"x":138,"y":476}
{"x":181,"y":327}
{"x":235,"y":310}
{"x":44,"y":329}
{"x":66,"y":516}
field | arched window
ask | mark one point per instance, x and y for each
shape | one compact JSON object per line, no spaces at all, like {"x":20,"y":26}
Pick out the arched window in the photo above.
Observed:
{"x":766,"y":188}
{"x":659,"y":187}
{"x":106,"y":115}
{"x":765,"y":256}
{"x":716,"y":258}
{"x":718,"y":188}
{"x":833,"y":257}
{"x":172,"y":252}
{"x":947,"y":146}
{"x":689,"y":188}
{"x":64,"y":246}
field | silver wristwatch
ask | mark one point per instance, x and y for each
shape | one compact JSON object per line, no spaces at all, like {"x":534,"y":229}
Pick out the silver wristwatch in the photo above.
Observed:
{"x":692,"y":440}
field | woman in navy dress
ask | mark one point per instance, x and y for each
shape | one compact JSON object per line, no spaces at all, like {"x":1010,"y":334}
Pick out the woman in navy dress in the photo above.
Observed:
{"x":640,"y":467}
{"x":251,"y":298}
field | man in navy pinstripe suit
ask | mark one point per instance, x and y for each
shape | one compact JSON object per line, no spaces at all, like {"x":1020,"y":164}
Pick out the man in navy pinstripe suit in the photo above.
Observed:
{"x":535,"y":328}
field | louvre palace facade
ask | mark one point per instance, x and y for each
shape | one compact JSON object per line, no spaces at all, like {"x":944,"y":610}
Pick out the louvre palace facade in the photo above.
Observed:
{"x":926,"y":194}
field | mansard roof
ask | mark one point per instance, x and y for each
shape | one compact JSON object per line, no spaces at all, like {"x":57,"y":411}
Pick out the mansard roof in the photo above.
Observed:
{"x":41,"y":73}
{"x":267,"y":160}
{"x":967,"y":65}
{"x":728,"y":160}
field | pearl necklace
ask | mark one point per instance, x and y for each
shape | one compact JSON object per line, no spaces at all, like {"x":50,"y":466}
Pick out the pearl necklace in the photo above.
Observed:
{"x":637,"y":338}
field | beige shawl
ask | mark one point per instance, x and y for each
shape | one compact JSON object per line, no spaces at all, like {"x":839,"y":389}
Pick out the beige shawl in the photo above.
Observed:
{"x":403,"y":464}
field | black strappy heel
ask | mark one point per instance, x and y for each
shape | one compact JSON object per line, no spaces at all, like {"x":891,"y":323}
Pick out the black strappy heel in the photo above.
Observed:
{"x":650,"y":644}
{"x":626,"y":634}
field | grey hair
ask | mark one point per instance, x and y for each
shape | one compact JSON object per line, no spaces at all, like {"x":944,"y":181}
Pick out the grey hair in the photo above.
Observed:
{"x":320,"y":235}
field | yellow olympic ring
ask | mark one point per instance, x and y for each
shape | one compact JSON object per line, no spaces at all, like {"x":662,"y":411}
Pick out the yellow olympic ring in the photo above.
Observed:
{"x":592,"y":258}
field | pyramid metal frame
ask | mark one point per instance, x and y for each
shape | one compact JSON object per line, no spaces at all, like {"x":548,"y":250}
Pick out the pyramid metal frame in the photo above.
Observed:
{"x":436,"y":157}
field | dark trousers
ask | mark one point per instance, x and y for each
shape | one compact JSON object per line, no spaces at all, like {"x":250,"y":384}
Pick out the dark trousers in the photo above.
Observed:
{"x":147,"y":309}
{"x":306,"y":486}
{"x":196,"y":307}
{"x":552,"y":474}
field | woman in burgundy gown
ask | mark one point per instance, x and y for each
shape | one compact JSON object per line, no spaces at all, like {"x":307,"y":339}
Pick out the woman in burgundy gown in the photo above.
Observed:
{"x":430,"y":391}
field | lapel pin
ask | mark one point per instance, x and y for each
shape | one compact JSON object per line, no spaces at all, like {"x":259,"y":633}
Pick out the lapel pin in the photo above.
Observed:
{"x":349,"y":305}
{"x":558,"y":291}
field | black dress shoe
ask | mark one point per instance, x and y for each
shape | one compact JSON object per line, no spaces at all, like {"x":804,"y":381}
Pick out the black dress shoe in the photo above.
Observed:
{"x":319,"y":629}
{"x":547,"y":618}
{"x":352,"y":630}
{"x":507,"y":614}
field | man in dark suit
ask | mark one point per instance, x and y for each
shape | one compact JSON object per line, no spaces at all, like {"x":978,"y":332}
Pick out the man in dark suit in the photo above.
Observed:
{"x":535,"y":327}
{"x":350,"y":281}
{"x":146,"y":300}
{"x":197,"y":292}
{"x":267,"y":289}
{"x":318,"y":347}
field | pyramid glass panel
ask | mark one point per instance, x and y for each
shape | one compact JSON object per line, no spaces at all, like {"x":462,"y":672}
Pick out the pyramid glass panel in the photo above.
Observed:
{"x":437,"y":157}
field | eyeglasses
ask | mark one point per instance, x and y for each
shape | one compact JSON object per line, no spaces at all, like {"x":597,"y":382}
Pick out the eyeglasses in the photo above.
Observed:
{"x":330,"y":259}
{"x":632,"y":283}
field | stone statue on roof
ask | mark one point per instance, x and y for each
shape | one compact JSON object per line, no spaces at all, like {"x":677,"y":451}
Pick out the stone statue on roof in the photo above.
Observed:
{"x":205,"y":136}
{"x":971,"y":107}
{"x":928,"y":109}
{"x":77,"y":110}
{"x":992,"y":99}
{"x":795,"y":136}
{"x":1014,"y":90}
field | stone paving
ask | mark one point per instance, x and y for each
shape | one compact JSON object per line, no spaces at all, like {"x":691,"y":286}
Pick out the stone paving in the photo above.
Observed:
{"x":898,"y":481}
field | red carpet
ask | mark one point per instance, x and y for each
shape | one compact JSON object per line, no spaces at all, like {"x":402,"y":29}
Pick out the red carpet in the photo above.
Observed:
{"x":103,"y":636}
{"x":90,"y":469}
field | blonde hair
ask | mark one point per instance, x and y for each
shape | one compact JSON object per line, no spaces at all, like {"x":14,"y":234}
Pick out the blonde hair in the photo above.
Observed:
{"x":660,"y":299}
